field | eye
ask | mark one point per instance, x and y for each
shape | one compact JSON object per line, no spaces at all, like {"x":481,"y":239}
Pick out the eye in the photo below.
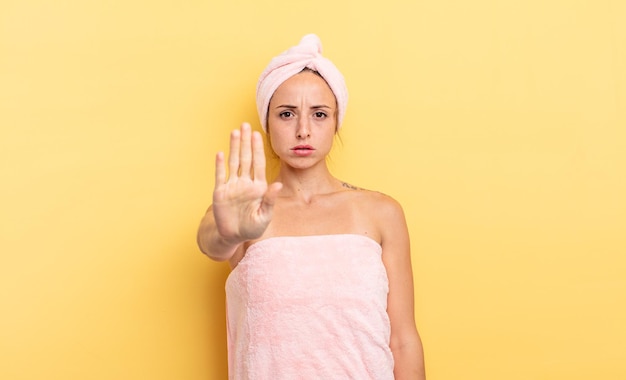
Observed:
{"x":320,"y":115}
{"x":286,"y":114}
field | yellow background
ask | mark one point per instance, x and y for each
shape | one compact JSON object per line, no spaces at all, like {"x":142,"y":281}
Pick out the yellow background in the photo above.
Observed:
{"x":499,"y":125}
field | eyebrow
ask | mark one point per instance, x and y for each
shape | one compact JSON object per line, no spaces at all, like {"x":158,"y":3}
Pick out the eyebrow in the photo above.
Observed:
{"x":295,"y":107}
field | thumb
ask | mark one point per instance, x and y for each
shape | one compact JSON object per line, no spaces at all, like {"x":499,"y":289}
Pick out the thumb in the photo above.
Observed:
{"x":271,"y":194}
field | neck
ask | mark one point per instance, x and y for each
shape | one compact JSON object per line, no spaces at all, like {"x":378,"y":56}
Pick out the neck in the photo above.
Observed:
{"x":307,"y":183}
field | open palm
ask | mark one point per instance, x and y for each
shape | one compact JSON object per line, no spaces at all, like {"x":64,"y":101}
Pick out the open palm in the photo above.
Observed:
{"x":243,"y":201}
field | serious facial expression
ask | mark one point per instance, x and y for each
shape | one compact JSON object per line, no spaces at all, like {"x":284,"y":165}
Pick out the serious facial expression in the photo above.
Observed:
{"x":302,"y":120}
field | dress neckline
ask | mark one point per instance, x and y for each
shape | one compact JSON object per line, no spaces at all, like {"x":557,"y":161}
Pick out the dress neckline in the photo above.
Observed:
{"x":291,"y":237}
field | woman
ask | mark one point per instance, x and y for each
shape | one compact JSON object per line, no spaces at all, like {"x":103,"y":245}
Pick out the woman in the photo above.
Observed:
{"x":321,"y":284}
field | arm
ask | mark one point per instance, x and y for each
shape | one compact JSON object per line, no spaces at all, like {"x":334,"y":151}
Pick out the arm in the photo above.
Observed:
{"x":242,"y":202}
{"x":405,"y":343}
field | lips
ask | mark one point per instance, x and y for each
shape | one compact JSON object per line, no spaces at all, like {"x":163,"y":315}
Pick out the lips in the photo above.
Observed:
{"x":302,"y":147}
{"x":303,"y":150}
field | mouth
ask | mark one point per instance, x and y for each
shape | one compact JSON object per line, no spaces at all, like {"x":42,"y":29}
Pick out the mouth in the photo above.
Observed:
{"x":302,"y":148}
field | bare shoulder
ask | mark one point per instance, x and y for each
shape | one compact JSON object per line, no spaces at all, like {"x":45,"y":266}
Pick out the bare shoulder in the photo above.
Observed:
{"x":375,"y":203}
{"x":376,"y":197}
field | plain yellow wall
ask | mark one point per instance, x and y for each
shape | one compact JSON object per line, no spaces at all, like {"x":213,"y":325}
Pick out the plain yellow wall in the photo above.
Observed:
{"x":499,"y":125}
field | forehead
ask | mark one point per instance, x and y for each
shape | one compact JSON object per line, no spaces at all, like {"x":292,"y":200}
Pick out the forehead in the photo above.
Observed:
{"x":304,"y":85}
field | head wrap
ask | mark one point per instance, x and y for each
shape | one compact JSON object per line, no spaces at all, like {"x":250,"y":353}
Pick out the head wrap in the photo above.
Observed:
{"x":307,"y":54}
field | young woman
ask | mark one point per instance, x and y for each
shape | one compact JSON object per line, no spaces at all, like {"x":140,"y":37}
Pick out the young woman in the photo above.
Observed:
{"x":321,"y":284}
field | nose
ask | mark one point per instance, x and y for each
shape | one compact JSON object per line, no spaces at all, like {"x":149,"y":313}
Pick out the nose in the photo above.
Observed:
{"x":303,"y":130}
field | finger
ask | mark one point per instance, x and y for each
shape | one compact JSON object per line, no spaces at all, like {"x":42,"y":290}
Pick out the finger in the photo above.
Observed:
{"x":258,"y":157}
{"x":245,"y":155}
{"x":220,"y":169}
{"x":233,"y":157}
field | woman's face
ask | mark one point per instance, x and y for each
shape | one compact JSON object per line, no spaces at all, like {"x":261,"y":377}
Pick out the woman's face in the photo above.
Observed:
{"x":302,"y":120}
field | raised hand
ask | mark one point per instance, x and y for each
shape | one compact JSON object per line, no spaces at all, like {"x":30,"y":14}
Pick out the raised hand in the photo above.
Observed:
{"x":243,"y":201}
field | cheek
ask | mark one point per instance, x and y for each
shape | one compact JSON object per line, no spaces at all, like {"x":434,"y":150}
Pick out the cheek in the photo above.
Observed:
{"x":269,"y":147}
{"x":274,"y":141}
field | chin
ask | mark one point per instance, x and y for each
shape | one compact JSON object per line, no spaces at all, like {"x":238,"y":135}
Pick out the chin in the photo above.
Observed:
{"x":300,"y":165}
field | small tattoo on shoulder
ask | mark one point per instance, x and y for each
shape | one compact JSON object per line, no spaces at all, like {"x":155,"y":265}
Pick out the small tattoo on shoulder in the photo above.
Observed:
{"x":351,"y":187}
